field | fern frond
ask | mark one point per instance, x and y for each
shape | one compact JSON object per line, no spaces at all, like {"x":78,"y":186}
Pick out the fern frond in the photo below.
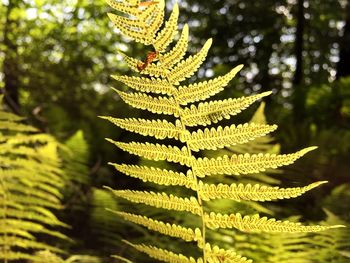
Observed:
{"x":206,"y":89}
{"x":30,"y":185}
{"x":251,"y":192}
{"x":160,"y":129}
{"x":154,"y":85}
{"x":213,"y":111}
{"x":171,"y":58}
{"x":159,"y":105}
{"x":167,"y":34}
{"x":158,"y":176}
{"x":157,"y":152}
{"x":216,"y":138}
{"x":219,"y":255}
{"x":173,"y":230}
{"x":258,"y":224}
{"x":186,"y":68}
{"x":163,"y":255}
{"x":245,"y":164}
{"x":166,"y":70}
{"x":160,"y":200}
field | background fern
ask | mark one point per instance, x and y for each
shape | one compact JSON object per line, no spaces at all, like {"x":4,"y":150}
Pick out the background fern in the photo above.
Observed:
{"x":31,"y":188}
{"x":142,"y":23}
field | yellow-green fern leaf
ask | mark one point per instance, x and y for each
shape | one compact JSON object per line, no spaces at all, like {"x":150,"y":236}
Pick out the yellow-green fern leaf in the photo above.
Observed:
{"x":206,"y":89}
{"x":121,"y":259}
{"x":150,"y":12}
{"x":157,"y":175}
{"x":163,"y":255}
{"x":186,"y":68}
{"x":245,"y":163}
{"x":220,"y":255}
{"x":122,"y":7}
{"x":153,"y":85}
{"x":251,"y":192}
{"x":23,"y":138}
{"x":47,"y":195}
{"x":228,"y":136}
{"x":173,"y":230}
{"x":143,"y":25}
{"x":160,"y":129}
{"x":133,"y":29}
{"x":171,"y":58}
{"x":258,"y":224}
{"x":22,"y":243}
{"x":47,"y":178}
{"x":213,"y":111}
{"x":155,"y":18}
{"x":10,"y":225}
{"x":151,"y":69}
{"x":27,"y":201}
{"x":159,"y":105}
{"x":12,"y":126}
{"x":157,"y":152}
{"x":167,"y":34}
{"x":8,"y":116}
{"x":160,"y":200}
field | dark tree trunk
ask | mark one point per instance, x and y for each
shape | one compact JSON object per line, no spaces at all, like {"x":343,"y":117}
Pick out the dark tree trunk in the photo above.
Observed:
{"x":299,"y":93}
{"x":10,"y":64}
{"x":343,"y":66}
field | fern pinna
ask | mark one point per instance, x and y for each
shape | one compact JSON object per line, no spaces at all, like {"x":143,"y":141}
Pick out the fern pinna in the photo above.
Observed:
{"x":159,"y":91}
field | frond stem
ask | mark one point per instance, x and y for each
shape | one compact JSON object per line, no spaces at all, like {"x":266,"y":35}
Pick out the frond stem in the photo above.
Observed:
{"x":202,"y":243}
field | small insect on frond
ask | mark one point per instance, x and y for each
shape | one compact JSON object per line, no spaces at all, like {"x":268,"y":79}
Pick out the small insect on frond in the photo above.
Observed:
{"x":151,"y":56}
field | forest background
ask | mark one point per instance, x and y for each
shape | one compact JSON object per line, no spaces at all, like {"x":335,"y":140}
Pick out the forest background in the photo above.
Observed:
{"x":56,"y":58}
